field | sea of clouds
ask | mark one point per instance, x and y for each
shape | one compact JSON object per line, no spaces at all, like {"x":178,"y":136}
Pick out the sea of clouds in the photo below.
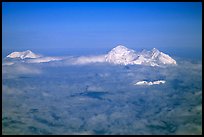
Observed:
{"x":72,"y":97}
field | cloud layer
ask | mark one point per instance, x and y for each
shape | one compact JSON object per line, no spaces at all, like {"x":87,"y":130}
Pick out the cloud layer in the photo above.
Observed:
{"x":51,"y":98}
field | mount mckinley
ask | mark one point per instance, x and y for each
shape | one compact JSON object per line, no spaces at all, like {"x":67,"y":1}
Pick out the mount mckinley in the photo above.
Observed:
{"x":119,"y":55}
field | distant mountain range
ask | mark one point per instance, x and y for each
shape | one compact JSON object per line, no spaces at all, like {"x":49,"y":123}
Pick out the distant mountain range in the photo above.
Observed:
{"x":23,"y":55}
{"x":119,"y":55}
{"x":125,"y":56}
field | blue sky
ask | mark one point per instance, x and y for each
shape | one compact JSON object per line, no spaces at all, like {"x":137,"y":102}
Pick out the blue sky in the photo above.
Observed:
{"x":95,"y":28}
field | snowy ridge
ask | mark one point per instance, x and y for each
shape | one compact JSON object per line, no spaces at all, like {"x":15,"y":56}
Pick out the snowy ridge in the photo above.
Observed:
{"x":23,"y":55}
{"x":124,"y":56}
{"x":119,"y":55}
{"x":30,"y":57}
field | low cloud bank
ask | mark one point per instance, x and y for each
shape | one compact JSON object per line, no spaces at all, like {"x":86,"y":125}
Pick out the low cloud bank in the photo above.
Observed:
{"x":150,"y":83}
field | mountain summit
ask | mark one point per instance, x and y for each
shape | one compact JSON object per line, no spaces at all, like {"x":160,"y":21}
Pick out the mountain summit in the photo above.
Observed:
{"x":118,"y":55}
{"x":23,"y":55}
{"x":121,"y":55}
{"x":124,"y":56}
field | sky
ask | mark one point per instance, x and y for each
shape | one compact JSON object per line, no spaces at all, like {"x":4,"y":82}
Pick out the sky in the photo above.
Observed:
{"x":93,"y":28}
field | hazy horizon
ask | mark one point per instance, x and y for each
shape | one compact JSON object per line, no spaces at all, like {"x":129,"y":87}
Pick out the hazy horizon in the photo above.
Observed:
{"x":172,"y":27}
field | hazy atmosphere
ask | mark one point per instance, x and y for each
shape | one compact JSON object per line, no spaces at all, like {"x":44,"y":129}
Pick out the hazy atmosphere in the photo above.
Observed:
{"x":92,"y":28}
{"x":102,"y":68}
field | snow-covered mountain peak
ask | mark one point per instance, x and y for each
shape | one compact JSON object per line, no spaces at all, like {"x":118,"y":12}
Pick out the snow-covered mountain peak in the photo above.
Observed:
{"x":29,"y":52}
{"x":120,"y":47}
{"x":155,"y":53}
{"x":121,"y":55}
{"x":155,"y":50}
{"x":23,"y":55}
{"x":124,"y":56}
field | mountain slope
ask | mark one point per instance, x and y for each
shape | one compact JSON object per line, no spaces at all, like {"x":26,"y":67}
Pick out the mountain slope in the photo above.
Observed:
{"x":121,"y":55}
{"x":124,"y":56}
{"x":23,"y":55}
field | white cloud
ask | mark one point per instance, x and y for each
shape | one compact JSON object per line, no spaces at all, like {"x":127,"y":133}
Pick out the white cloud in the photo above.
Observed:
{"x":7,"y":63}
{"x":150,"y":83}
{"x":80,"y":133}
{"x":89,"y":59}
{"x":10,"y":90}
{"x":95,"y":88}
{"x":43,"y":59}
{"x":14,"y":70}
